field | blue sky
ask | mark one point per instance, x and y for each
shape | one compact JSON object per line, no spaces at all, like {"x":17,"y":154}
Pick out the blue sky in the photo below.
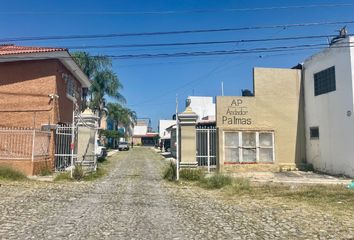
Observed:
{"x":150,"y":85}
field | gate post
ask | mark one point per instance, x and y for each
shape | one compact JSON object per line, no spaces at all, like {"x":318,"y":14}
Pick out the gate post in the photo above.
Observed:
{"x":187,"y":121}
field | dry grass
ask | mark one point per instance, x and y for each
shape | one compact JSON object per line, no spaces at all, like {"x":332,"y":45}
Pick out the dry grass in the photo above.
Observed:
{"x":334,"y":198}
{"x":8,"y":173}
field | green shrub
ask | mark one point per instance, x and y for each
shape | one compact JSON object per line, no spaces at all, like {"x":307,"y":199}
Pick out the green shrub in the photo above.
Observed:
{"x":191,"y":174}
{"x":65,"y":176}
{"x":170,"y":172}
{"x":100,"y":172}
{"x":216,"y":181}
{"x":9,"y":173}
{"x":78,"y":173}
{"x":101,"y":159}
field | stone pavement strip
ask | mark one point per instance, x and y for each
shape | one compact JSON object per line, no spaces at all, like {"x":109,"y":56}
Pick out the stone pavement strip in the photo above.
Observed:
{"x":133,"y":202}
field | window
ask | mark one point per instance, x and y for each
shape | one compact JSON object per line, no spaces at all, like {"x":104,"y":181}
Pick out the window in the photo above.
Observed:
{"x":71,"y":88}
{"x":249,"y":152}
{"x":266,"y":147}
{"x":314,"y":133}
{"x":232,"y":147}
{"x":249,"y":147}
{"x":325,"y":81}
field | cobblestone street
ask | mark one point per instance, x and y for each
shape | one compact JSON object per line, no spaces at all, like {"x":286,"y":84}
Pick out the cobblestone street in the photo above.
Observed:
{"x":133,"y":202}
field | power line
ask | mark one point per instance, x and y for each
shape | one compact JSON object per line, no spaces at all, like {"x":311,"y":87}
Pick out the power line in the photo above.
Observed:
{"x":204,"y":76}
{"x":182,"y":86}
{"x":196,"y":54}
{"x":113,"y":35}
{"x":196,"y":43}
{"x":168,"y":12}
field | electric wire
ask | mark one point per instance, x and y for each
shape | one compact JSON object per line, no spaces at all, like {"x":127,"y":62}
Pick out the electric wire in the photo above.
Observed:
{"x":113,"y":35}
{"x":197,"y":43}
{"x":167,"y":12}
{"x":194,"y":54}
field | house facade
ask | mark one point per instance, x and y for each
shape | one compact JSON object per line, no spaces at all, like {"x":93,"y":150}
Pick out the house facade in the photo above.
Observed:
{"x":39,"y":88}
{"x":294,"y":118}
{"x":329,"y":121}
{"x":265,"y":131}
{"x":142,"y":133}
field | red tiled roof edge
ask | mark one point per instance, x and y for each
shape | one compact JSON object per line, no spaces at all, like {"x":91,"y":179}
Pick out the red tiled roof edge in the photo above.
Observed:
{"x":11,"y":49}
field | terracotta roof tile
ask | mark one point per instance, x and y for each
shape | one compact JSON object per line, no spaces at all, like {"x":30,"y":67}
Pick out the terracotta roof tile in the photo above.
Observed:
{"x":10,"y":49}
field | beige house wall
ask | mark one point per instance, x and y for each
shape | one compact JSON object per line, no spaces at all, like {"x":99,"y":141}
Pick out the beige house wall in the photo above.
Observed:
{"x":136,"y":140}
{"x":276,"y":107}
{"x":188,"y":145}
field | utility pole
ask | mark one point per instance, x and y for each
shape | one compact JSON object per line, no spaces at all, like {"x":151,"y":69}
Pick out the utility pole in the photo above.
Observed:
{"x":177,"y":140}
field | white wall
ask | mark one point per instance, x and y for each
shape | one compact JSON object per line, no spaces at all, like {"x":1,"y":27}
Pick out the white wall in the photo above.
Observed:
{"x":202,"y":106}
{"x":140,"y":130}
{"x":333,"y":152}
{"x":163,"y":125}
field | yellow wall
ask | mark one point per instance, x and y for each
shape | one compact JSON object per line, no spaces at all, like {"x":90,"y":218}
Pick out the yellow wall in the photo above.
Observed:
{"x":188,"y":145}
{"x":276,"y":108}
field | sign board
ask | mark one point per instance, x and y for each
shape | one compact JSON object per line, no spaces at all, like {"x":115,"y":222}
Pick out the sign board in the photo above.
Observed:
{"x":236,"y":112}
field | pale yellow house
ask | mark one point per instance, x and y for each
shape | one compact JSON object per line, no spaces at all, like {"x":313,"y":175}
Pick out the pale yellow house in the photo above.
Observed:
{"x":265,"y":131}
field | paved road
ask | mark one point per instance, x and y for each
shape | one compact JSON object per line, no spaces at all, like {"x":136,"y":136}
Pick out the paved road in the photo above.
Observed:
{"x":133,"y":202}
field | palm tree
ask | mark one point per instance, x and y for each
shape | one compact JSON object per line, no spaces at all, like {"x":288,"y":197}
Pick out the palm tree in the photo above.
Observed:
{"x":128,"y":120}
{"x":122,"y":116}
{"x":104,"y":81}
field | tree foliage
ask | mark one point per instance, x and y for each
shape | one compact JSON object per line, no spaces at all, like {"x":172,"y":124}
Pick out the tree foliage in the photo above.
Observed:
{"x":110,"y":134}
{"x":121,"y":115}
{"x":104,"y":81}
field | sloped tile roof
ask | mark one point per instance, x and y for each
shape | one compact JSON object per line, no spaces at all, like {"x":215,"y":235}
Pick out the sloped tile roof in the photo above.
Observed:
{"x":10,"y":49}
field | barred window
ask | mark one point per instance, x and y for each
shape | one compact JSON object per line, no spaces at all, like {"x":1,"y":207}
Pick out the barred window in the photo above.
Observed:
{"x":325,"y":81}
{"x":249,"y":147}
{"x":249,"y":150}
{"x":71,"y":87}
{"x":232,"y":147}
{"x":266,"y":147}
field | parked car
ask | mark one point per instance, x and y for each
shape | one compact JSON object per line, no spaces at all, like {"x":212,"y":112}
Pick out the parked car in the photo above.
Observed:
{"x":123,"y":146}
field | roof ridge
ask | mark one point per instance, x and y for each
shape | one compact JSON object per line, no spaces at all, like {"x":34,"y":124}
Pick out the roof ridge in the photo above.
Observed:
{"x":9,"y":49}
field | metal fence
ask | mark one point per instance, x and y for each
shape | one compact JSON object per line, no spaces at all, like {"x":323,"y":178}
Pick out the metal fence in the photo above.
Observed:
{"x":80,"y":150}
{"x":63,"y":146}
{"x":206,"y":146}
{"x":23,"y":144}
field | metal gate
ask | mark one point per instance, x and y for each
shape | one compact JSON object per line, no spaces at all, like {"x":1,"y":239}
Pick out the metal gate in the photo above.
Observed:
{"x":206,"y":146}
{"x":63,"y":147}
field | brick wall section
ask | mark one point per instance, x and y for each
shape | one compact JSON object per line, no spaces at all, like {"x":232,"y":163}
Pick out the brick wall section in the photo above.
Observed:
{"x":24,"y":102}
{"x":24,"y":90}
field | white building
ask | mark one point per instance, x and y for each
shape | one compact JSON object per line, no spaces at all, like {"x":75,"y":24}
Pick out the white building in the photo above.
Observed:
{"x":163,"y":125}
{"x":140,"y":130}
{"x":329,"y":120}
{"x":202,"y":106}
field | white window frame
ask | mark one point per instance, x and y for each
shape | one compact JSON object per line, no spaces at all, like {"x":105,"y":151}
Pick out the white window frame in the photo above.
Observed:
{"x":233,"y":147}
{"x":240,"y":147}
